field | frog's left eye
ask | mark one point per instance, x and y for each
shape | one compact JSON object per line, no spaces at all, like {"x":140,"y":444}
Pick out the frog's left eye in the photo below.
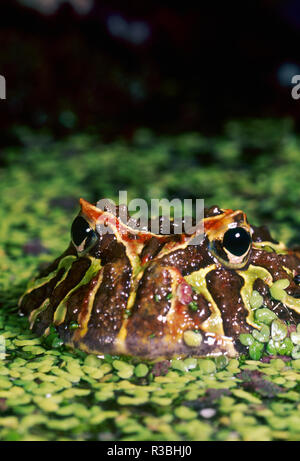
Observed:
{"x":237,"y":241}
{"x":83,"y":236}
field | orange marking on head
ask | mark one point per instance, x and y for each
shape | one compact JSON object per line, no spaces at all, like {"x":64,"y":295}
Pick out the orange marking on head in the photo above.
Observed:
{"x":216,"y":222}
{"x":216,"y":226}
{"x":89,"y":210}
{"x":132,"y":239}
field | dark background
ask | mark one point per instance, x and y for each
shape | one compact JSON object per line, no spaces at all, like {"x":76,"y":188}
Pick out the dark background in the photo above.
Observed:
{"x":112,"y":66}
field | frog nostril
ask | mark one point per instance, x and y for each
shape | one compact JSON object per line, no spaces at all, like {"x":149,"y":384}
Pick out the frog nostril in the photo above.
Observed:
{"x":297,"y":279}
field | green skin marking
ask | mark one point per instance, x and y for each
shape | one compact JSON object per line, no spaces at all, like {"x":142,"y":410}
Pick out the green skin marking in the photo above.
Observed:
{"x":60,"y":313}
{"x":279,"y":248}
{"x":293,"y":303}
{"x":64,"y":263}
{"x":34,"y":314}
{"x":255,"y":272}
{"x":198,"y":282}
{"x":250,"y":276}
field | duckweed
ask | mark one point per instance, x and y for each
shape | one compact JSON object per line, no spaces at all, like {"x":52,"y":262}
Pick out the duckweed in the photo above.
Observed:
{"x":256,"y":300}
{"x":124,"y":370}
{"x":262,"y":335}
{"x":191,"y":338}
{"x":273,"y":337}
{"x":296,"y":352}
{"x":207,"y":366}
{"x":277,"y":289}
{"x":48,"y":392}
{"x":278,"y":330}
{"x":246,"y":339}
{"x":285,"y":347}
{"x":295,"y":338}
{"x":50,"y":396}
{"x":141,"y":370}
{"x":255,"y":350}
{"x":265,"y":315}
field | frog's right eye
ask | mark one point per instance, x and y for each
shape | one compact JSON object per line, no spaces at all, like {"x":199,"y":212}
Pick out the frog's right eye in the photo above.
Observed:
{"x":83,"y":236}
{"x":237,"y":241}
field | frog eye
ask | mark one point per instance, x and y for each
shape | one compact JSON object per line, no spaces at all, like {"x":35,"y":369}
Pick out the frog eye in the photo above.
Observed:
{"x":83,"y":236}
{"x":237,"y":241}
{"x":297,"y":279}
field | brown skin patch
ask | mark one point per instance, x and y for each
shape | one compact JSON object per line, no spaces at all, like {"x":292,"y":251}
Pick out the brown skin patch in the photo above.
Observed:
{"x":150,"y":308}
{"x":188,"y":317}
{"x":76,"y":273}
{"x":151,"y":249}
{"x":261,"y":234}
{"x":274,"y":263}
{"x":263,"y":289}
{"x":203,"y":312}
{"x":224,"y":286}
{"x":189,"y":259}
{"x":292,"y":261}
{"x":150,"y":324}
{"x":36,"y":297}
{"x":109,"y":305}
{"x":77,"y":306}
{"x":108,"y":249}
{"x":270,"y":261}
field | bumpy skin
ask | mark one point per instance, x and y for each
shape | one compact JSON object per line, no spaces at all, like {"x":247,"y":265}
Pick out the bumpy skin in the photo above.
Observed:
{"x":137,"y":293}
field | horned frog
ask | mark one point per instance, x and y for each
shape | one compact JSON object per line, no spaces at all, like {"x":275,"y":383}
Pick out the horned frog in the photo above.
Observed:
{"x":150,"y":295}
